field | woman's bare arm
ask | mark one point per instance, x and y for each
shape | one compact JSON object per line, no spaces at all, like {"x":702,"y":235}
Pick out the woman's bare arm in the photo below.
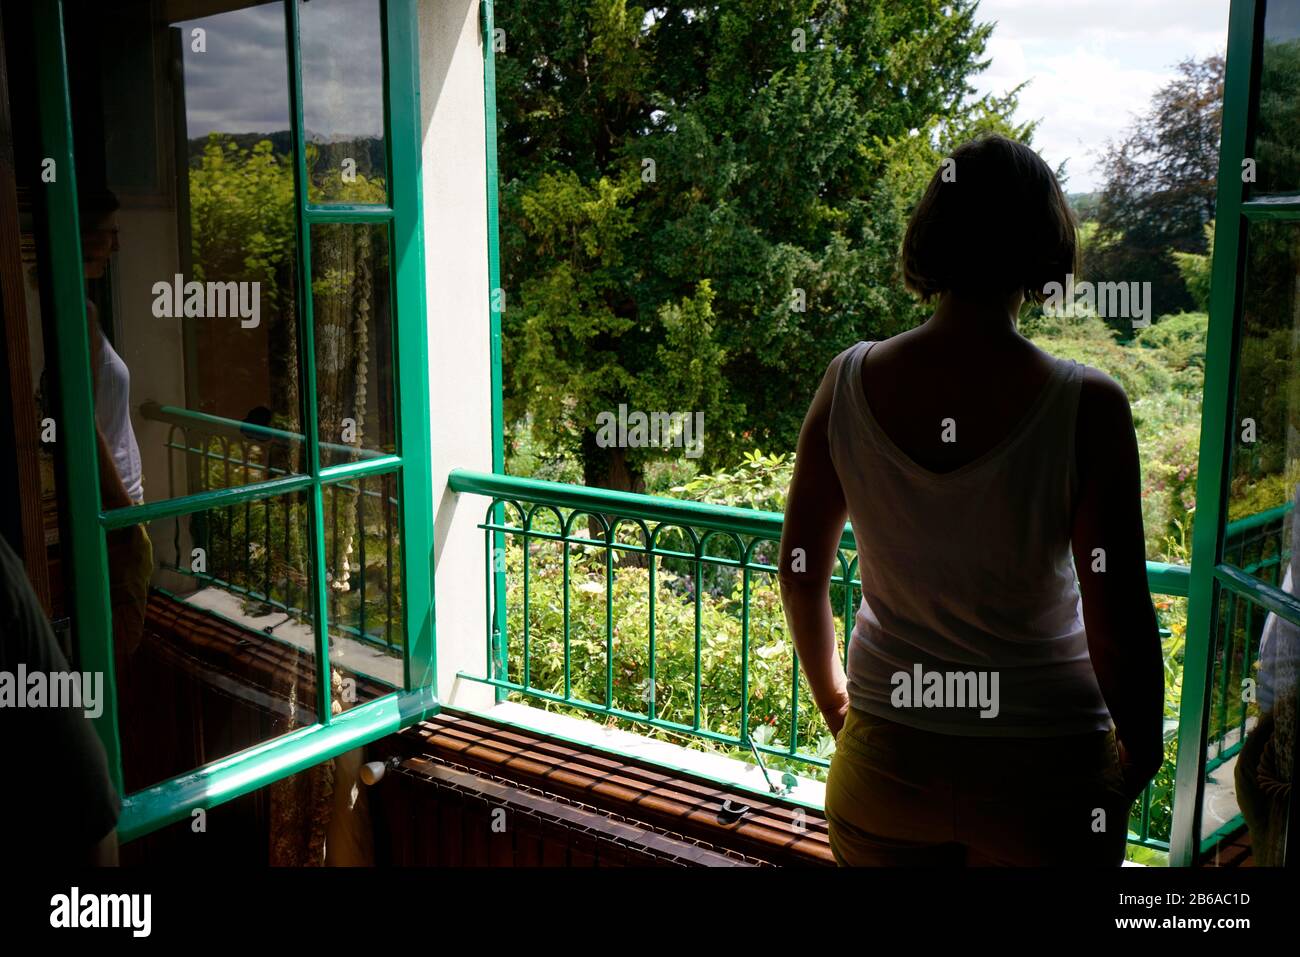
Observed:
{"x":1123,"y":635}
{"x":112,"y":492}
{"x":814,"y":521}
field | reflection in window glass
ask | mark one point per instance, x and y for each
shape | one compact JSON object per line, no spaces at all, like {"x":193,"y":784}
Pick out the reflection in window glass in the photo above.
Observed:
{"x":363,"y":561}
{"x":353,"y":342}
{"x":1265,"y":474}
{"x":1252,"y":720}
{"x":187,"y":183}
{"x":243,"y":228}
{"x":343,"y":100}
{"x":1277,"y":138}
{"x":1251,"y":724}
{"x":213,"y":634}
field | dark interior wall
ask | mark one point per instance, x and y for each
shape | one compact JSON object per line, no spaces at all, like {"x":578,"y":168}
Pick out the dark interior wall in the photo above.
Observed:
{"x":17,"y":493}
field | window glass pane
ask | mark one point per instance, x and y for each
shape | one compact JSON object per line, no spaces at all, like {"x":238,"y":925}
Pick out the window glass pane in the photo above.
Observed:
{"x":1250,"y":726}
{"x":1277,"y":137}
{"x":353,"y":341}
{"x":213,"y":634}
{"x":1260,"y":537}
{"x":181,"y":123}
{"x":363,"y":562}
{"x":343,"y":100}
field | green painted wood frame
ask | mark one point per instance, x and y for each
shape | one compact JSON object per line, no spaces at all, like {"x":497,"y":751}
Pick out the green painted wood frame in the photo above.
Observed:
{"x":255,"y":767}
{"x":496,"y":305}
{"x":1209,"y":574}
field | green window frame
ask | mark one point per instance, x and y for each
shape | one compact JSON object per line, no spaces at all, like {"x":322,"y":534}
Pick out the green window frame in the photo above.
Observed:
{"x":1212,"y":579}
{"x":487,"y":28}
{"x":87,"y":522}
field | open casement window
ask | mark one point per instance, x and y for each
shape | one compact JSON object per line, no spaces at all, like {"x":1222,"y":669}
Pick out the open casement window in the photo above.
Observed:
{"x":260,"y":283}
{"x":1237,"y":745}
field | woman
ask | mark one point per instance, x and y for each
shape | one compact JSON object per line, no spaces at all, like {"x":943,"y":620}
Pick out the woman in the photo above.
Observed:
{"x":121,"y":477}
{"x":990,"y":714}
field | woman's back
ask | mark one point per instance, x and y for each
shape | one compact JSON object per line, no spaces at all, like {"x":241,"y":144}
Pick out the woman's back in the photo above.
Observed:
{"x":915,"y":380}
{"x":961,"y":496}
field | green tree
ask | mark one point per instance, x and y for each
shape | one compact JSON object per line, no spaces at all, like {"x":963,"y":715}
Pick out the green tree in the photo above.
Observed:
{"x":1160,"y":186}
{"x":1195,"y":268}
{"x":703,"y":203}
{"x":242,"y":229}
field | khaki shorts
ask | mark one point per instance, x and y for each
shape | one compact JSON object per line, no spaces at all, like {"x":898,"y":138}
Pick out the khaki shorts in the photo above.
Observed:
{"x":130,"y":569}
{"x":900,"y":796}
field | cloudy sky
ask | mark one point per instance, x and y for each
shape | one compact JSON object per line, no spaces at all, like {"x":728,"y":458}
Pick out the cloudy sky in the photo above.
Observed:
{"x":1093,"y":65}
{"x":239,"y":83}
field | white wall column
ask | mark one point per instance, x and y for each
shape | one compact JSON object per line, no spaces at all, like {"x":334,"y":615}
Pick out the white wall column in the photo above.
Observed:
{"x":456,"y":274}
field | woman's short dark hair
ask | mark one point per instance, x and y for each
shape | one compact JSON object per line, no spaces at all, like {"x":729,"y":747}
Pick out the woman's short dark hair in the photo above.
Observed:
{"x":993,"y":220}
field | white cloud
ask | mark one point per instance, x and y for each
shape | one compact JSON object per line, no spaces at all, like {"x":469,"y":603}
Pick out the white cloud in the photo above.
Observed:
{"x":1092,"y":66}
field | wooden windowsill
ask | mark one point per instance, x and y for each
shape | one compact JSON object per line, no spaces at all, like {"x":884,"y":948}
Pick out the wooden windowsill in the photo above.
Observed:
{"x":673,"y":801}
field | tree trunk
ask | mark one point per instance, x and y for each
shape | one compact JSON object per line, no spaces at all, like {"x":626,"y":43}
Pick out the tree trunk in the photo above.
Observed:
{"x":607,"y":468}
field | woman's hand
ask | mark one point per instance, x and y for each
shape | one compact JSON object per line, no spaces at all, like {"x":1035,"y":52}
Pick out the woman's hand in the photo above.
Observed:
{"x":1137,"y":773}
{"x":834,"y":716}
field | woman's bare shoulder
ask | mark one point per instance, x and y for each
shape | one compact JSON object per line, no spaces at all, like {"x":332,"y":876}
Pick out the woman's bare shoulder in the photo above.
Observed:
{"x":1104,"y":420}
{"x":1102,"y":392}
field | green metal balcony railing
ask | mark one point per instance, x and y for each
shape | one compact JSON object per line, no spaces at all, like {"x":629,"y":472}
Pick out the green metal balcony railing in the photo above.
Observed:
{"x":240,"y":540}
{"x":720,"y":565}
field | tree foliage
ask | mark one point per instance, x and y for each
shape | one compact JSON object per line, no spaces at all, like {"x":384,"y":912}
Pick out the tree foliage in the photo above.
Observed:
{"x":1160,"y":186}
{"x":703,"y":203}
{"x":1195,"y":268}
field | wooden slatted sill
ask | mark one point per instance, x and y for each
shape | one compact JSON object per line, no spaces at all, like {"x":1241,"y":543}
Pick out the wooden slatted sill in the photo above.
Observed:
{"x":626,"y":789}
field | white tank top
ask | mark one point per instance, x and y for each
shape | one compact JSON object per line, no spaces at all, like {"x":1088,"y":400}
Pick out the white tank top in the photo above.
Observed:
{"x":971,"y":622}
{"x":113,"y":413}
